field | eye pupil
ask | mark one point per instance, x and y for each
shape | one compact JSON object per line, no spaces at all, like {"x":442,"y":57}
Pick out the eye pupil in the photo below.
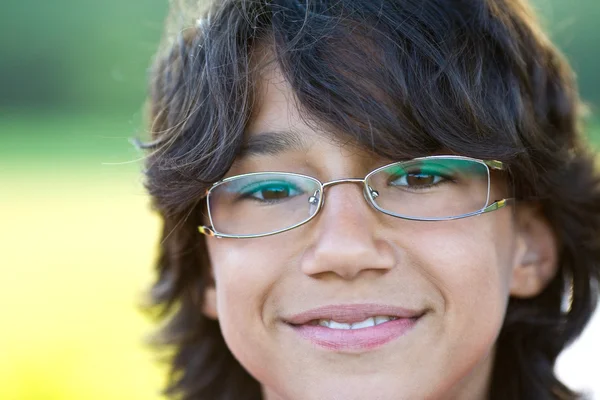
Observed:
{"x":275,"y":193}
{"x":420,"y":179}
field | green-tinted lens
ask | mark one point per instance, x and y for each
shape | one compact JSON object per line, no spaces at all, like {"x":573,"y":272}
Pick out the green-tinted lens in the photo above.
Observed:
{"x":262,"y":203}
{"x":431,"y":187}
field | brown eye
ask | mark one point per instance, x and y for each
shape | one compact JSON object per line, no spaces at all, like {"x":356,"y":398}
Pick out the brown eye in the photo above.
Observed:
{"x":416,"y":180}
{"x":420,"y":180}
{"x":268,"y":191}
{"x":275,"y":193}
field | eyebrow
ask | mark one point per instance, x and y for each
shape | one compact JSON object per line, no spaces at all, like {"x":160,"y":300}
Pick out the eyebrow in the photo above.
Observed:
{"x":272,"y":143}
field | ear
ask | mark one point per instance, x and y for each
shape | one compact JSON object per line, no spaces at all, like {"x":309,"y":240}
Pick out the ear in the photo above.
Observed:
{"x":209,"y":307}
{"x":536,"y":255}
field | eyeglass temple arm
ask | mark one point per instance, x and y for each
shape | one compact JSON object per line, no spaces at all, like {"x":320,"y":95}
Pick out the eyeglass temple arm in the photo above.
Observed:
{"x":206,"y":230}
{"x":497,"y":205}
{"x":495,"y":164}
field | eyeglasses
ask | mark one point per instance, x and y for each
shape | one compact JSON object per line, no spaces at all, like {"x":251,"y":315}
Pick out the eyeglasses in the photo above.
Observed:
{"x":434,"y":188}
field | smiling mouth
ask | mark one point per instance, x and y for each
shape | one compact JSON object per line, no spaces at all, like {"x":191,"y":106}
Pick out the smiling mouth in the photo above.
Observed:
{"x":354,"y":328}
{"x":366,"y":323}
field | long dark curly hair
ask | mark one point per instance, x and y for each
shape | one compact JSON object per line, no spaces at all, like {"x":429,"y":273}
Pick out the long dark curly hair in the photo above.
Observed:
{"x":403,"y":78}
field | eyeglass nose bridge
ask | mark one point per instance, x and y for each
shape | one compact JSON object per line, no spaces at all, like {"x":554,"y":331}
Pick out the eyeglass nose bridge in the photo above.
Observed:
{"x":314,"y":199}
{"x":338,"y":181}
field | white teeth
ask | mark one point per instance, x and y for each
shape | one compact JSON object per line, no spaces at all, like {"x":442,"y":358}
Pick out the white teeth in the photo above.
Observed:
{"x":338,"y":325}
{"x":367,"y":323}
{"x":381,"y":320}
{"x":364,"y":324}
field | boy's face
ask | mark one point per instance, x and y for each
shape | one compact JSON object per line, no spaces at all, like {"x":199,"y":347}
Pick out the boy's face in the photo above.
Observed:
{"x":447,"y":282}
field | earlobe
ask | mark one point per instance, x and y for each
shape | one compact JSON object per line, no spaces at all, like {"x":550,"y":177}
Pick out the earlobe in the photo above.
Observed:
{"x":209,"y":307}
{"x":536,"y":254}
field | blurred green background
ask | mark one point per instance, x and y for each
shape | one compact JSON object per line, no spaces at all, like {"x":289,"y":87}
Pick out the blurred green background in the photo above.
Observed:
{"x":78,"y":238}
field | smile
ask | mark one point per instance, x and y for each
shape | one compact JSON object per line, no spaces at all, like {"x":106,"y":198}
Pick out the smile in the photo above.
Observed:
{"x":354,"y":328}
{"x":367,"y":323}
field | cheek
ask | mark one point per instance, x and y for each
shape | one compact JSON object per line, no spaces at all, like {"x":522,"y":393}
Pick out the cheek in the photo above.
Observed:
{"x":241,"y":274}
{"x":245,"y":272}
{"x":468,"y":264}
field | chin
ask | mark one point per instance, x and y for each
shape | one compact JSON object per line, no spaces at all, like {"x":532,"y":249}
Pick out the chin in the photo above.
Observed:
{"x":352,"y":388}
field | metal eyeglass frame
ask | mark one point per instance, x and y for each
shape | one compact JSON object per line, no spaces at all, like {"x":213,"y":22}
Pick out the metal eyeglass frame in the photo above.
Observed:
{"x":369,"y":193}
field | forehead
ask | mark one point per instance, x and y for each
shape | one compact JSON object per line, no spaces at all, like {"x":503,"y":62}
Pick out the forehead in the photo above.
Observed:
{"x":275,"y":104}
{"x":277,"y":119}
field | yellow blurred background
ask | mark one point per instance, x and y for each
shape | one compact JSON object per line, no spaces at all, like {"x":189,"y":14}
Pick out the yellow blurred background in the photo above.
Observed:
{"x":78,"y":244}
{"x":78,"y":239}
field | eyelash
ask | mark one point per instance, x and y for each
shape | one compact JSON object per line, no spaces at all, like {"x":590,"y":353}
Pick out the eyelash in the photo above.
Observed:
{"x":445,"y":179}
{"x":249,"y":194}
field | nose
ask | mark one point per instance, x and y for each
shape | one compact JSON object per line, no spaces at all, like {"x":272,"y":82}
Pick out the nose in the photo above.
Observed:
{"x":346,"y":240}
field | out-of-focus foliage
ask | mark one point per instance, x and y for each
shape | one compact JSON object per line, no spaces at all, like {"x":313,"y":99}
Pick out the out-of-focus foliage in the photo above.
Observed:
{"x":77,"y":55}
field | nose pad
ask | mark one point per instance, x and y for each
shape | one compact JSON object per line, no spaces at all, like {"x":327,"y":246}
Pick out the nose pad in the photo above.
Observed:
{"x":373,"y":193}
{"x":314,"y":201}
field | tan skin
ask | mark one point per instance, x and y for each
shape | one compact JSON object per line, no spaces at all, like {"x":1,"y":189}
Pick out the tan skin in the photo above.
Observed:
{"x":460,"y":272}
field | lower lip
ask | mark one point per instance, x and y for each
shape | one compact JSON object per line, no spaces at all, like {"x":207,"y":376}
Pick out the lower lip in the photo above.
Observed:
{"x":356,"y":339}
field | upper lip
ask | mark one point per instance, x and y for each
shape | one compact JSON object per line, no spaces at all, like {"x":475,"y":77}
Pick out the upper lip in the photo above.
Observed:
{"x":351,"y":313}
